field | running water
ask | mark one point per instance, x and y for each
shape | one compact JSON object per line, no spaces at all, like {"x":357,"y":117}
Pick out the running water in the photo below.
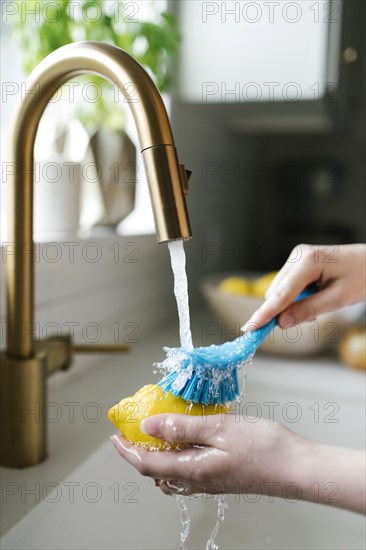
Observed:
{"x":222,"y":506}
{"x":178,"y":261}
{"x":185,"y":519}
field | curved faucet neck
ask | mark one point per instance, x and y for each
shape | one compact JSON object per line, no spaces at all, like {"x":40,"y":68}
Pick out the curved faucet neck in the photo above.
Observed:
{"x":164,"y":174}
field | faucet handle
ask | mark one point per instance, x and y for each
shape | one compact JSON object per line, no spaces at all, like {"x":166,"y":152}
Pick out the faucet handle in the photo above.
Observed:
{"x":185,"y":176}
{"x":58,"y":351}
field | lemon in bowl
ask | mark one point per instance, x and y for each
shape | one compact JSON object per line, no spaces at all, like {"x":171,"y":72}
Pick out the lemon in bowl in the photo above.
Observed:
{"x":235,"y":285}
{"x":241,"y":286}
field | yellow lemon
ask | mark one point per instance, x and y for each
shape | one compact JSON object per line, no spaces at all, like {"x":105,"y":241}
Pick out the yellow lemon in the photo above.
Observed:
{"x":147,"y":401}
{"x":261,"y":285}
{"x":235,"y":285}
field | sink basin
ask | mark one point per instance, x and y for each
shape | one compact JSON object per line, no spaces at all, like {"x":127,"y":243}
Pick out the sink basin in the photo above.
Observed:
{"x":86,"y":497}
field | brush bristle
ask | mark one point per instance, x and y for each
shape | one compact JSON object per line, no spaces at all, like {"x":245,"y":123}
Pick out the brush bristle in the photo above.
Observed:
{"x":205,"y":390}
{"x":209,"y":374}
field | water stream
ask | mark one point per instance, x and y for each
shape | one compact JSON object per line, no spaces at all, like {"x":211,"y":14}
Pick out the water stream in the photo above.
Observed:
{"x":184,"y":518}
{"x":178,"y":261}
{"x":222,"y":506}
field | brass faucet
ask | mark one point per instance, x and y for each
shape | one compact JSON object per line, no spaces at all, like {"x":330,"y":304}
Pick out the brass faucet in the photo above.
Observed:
{"x":26,"y":363}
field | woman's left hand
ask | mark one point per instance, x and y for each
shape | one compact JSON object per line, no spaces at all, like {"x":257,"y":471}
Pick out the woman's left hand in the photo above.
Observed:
{"x":229,"y":453}
{"x":244,"y":455}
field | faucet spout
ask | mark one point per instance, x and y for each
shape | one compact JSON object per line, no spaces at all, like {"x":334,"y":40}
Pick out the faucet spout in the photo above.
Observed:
{"x":167,"y":183}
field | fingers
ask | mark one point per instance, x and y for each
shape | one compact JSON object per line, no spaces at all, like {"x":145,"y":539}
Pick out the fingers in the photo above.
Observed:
{"x":164,"y":465}
{"x":287,"y":285}
{"x":181,"y":428}
{"x":278,"y":278}
{"x":191,"y":464}
{"x":156,"y":464}
{"x":301,"y":256}
{"x":184,"y":488}
{"x":173,"y":472}
{"x":308,"y":309}
{"x":176,"y":487}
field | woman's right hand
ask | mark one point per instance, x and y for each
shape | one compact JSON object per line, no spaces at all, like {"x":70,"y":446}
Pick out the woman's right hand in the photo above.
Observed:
{"x":339,"y":270}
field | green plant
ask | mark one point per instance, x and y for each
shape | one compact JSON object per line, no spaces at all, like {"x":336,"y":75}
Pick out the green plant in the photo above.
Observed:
{"x":42,"y":27}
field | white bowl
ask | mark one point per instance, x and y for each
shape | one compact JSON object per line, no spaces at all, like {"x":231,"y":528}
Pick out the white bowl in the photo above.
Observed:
{"x":305,"y":339}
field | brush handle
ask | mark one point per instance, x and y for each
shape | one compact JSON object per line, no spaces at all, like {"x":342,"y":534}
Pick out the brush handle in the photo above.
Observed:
{"x":258,"y":336}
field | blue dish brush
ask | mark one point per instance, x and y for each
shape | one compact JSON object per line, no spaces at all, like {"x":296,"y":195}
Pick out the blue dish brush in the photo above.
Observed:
{"x":209,"y":375}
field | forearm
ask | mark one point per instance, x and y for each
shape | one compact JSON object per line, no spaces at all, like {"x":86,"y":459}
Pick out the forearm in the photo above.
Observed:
{"x":322,"y":473}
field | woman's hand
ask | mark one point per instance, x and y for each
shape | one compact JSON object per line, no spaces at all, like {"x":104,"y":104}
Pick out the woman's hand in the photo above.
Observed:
{"x":226,"y":456}
{"x":243,"y":455}
{"x":339,"y":270}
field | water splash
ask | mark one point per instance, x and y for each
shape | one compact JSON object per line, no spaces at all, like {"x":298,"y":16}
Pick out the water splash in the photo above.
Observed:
{"x":243,"y":383}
